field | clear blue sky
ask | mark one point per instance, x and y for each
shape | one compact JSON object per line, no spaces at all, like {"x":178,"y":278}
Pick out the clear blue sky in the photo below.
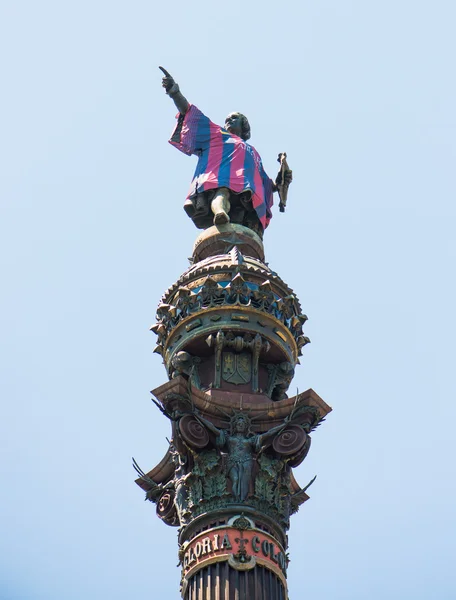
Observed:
{"x":362,"y":96}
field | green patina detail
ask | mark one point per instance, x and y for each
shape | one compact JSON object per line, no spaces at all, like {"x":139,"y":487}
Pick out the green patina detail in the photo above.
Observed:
{"x":194,"y":491}
{"x":272,"y":488}
{"x":205,"y":462}
{"x":214,"y":486}
{"x":206,"y":483}
{"x":208,"y":487}
{"x":271,"y":466}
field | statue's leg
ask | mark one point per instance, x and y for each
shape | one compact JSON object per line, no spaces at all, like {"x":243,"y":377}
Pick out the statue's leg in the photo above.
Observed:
{"x":246,"y":472}
{"x":233,"y":474}
{"x":220,"y":206}
{"x":180,"y":501}
{"x":201,"y":204}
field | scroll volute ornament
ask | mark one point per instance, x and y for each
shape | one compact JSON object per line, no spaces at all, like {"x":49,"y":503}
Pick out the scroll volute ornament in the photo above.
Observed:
{"x":290,"y":441}
{"x":298,"y":458}
{"x":193,"y":433}
{"x":166,"y":508}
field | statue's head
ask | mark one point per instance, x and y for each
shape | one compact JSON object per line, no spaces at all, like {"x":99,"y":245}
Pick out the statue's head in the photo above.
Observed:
{"x":238,"y":124}
{"x":240,"y":423}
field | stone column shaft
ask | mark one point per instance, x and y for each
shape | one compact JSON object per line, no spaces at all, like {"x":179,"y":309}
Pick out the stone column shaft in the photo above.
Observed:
{"x":221,"y":582}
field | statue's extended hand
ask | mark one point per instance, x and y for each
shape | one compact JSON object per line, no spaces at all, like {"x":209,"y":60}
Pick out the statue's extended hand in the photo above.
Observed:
{"x":168,"y":82}
{"x":172,"y":89}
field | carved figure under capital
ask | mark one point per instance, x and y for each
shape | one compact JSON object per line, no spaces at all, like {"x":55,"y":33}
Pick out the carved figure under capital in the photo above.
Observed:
{"x":171,"y":497}
{"x":280,"y":377}
{"x":185,"y":364}
{"x":230,"y":183}
{"x":225,"y":458}
{"x":242,"y":446}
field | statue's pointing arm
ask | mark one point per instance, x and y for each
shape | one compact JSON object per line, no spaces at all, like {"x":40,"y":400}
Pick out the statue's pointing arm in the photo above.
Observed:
{"x":172,"y":89}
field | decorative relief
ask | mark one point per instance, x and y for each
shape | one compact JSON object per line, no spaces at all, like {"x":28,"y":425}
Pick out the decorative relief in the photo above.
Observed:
{"x":172,"y":497}
{"x":280,"y":377}
{"x":187,"y":365}
{"x":242,"y":548}
{"x":237,"y":367}
{"x":290,"y":441}
{"x":214,"y":467}
{"x":193,"y":433}
{"x":229,"y":289}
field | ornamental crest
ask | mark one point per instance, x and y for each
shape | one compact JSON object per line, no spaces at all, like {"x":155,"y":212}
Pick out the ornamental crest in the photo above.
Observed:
{"x":236,"y":368}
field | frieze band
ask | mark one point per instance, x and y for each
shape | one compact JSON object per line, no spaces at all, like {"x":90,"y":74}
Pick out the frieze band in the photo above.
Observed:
{"x":242,"y":548}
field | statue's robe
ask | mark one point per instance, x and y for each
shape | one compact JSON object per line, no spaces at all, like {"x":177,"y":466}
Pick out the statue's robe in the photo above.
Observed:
{"x":224,"y":160}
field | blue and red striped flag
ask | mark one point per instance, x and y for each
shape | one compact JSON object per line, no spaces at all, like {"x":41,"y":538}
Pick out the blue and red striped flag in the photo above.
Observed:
{"x":224,"y":160}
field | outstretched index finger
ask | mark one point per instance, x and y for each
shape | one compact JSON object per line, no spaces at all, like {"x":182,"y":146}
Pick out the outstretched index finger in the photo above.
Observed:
{"x":164,"y":71}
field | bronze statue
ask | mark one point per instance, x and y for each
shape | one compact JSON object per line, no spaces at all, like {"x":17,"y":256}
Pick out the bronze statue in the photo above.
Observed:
{"x":177,"y":485}
{"x":181,"y":475}
{"x":230,"y":183}
{"x":241,"y":445}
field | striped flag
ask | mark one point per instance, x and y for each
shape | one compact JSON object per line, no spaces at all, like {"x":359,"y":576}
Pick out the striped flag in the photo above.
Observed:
{"x":224,"y":160}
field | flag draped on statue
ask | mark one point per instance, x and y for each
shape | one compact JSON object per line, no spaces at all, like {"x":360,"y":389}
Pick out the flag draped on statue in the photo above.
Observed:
{"x":224,"y":160}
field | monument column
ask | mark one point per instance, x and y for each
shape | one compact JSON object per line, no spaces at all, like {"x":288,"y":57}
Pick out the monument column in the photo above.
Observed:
{"x":230,"y":333}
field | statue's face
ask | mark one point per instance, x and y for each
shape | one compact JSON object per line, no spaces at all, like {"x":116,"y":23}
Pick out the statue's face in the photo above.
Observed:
{"x":233,"y":123}
{"x":240,"y":426}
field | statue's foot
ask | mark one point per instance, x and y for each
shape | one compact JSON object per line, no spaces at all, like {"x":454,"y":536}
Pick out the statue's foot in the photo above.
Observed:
{"x":221,"y":218}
